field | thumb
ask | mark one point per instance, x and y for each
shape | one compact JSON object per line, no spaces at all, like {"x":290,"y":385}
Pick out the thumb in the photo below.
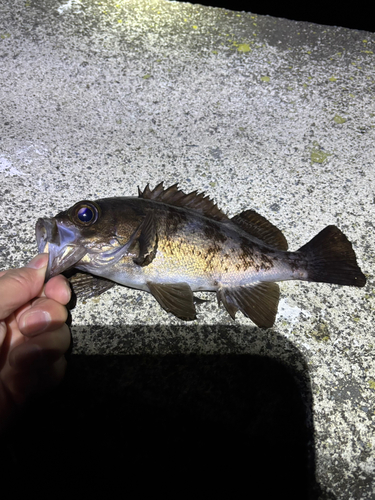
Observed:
{"x":3,"y":332}
{"x":18,"y":286}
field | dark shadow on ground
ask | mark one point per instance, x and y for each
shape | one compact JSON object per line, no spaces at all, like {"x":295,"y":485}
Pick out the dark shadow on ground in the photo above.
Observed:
{"x":145,"y":426}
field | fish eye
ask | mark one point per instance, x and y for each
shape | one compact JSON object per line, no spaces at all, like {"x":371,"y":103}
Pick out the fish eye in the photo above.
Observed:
{"x":86,"y":213}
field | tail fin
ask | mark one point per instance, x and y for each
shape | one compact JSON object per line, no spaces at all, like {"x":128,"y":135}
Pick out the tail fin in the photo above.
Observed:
{"x":331,"y":259}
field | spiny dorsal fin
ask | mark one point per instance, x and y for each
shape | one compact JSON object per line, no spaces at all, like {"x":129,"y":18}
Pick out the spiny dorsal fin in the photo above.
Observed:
{"x":174,"y":196}
{"x":261,"y":228}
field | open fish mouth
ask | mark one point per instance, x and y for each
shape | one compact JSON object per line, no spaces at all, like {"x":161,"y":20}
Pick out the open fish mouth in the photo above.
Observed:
{"x":60,"y":243}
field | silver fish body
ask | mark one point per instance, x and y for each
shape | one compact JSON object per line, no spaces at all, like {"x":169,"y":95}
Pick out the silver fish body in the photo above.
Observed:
{"x":171,"y":244}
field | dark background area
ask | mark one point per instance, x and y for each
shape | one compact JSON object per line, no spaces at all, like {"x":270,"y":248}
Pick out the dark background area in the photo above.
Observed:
{"x":355,"y":15}
{"x":180,"y":425}
{"x":226,"y":425}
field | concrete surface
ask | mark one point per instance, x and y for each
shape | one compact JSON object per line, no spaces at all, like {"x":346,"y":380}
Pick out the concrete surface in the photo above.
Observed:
{"x":97,"y":98}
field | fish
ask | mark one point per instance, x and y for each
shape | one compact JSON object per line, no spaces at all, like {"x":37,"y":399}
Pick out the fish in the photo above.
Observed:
{"x":170,"y":244}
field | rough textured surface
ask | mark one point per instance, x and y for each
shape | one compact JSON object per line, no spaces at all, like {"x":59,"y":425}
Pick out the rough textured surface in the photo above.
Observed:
{"x":259,"y":112}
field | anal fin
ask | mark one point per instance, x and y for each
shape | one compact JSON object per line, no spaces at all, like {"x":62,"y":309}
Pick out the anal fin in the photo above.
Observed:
{"x":258,"y":302}
{"x":176,"y":298}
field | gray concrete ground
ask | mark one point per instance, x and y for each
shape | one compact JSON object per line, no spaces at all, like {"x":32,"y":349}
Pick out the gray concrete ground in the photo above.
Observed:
{"x":97,"y":98}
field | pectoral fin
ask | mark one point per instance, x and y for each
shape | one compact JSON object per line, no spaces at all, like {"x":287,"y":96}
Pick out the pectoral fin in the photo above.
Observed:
{"x":176,"y":298}
{"x":147,"y":241}
{"x":258,"y":302}
{"x":86,"y":286}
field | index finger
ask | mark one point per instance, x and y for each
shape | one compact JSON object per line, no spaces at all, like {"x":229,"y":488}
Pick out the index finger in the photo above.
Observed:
{"x":19,"y":286}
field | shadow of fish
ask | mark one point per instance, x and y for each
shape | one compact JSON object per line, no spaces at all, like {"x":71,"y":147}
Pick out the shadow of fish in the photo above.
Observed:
{"x":171,"y":244}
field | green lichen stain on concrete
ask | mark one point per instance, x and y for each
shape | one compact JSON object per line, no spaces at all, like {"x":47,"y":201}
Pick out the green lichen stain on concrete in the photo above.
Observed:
{"x":320,"y":333}
{"x":339,"y":119}
{"x":4,"y":35}
{"x":243,"y":47}
{"x":332,"y":79}
{"x":265,"y":78}
{"x":371,"y":383}
{"x":146,"y":77}
{"x":317,"y":155}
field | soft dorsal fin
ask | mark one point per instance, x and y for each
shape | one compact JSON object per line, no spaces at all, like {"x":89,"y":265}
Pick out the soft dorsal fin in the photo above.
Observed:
{"x":261,"y":228}
{"x":174,"y":196}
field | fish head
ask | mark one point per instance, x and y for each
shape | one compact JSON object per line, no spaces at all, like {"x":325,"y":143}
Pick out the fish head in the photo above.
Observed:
{"x":90,"y":236}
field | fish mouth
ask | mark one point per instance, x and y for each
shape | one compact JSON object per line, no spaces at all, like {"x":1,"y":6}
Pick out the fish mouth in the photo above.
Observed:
{"x":60,"y":242}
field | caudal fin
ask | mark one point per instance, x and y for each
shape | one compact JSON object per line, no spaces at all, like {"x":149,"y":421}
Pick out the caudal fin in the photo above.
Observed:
{"x":331,"y":259}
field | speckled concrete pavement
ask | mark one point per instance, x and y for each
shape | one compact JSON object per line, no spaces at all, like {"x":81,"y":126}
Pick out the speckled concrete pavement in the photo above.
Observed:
{"x":97,"y":98}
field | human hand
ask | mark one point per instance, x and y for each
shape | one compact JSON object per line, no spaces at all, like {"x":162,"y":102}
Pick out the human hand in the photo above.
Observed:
{"x":33,"y":333}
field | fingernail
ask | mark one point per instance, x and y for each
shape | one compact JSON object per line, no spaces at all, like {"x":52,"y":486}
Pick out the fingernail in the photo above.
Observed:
{"x":38,"y":261}
{"x":68,"y":292}
{"x":35,"y":321}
